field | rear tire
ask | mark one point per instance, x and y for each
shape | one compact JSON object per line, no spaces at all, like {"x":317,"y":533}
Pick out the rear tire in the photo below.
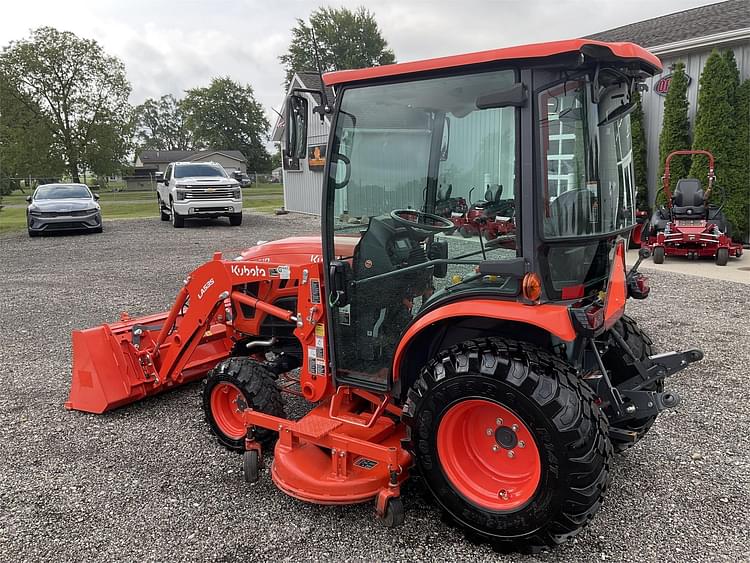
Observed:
{"x":235,"y":219}
{"x":722,"y":256}
{"x":620,"y":366}
{"x":549,"y":487}
{"x":178,"y":221}
{"x":659,"y":255}
{"x":234,"y":385}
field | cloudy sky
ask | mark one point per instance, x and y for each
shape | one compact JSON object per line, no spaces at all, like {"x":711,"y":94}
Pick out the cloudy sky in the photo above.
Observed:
{"x":170,"y":45}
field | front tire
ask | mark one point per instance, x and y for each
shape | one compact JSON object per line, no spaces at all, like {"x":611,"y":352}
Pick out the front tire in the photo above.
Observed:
{"x":178,"y":221}
{"x":509,"y":442}
{"x":235,"y":219}
{"x":722,"y":256}
{"x":236,"y":384}
{"x":659,"y":255}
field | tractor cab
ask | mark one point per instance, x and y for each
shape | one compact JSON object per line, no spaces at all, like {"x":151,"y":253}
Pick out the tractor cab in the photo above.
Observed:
{"x":552,"y":147}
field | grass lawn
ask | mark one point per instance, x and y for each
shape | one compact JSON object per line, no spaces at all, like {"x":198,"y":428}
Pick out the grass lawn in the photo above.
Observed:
{"x":264,"y":198}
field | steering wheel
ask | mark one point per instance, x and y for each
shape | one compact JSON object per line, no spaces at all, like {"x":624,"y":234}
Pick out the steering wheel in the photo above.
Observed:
{"x":437,"y":224}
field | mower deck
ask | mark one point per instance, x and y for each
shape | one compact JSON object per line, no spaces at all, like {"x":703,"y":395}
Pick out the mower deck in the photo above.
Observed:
{"x":336,"y":455}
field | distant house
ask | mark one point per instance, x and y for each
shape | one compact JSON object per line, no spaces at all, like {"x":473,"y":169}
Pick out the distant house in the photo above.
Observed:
{"x":157,"y":161}
{"x":303,"y":179}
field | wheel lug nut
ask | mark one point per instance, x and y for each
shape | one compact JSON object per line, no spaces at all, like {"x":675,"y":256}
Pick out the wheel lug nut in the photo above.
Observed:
{"x":514,"y":428}
{"x":521,"y":444}
{"x":503,"y":494}
{"x":499,"y":421}
{"x":511,"y":454}
{"x":488,"y":432}
{"x":495,"y":447}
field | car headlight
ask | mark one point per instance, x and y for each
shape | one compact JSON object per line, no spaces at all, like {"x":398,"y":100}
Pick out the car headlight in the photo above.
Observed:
{"x":35,"y":212}
{"x":237,"y":193}
{"x":179,"y":194}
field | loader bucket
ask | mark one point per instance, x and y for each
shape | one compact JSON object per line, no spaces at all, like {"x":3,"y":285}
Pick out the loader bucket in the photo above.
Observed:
{"x":107,"y":373}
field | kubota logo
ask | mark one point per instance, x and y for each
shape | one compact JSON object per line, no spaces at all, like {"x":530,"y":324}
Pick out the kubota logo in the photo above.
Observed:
{"x":244,"y":271}
{"x":205,"y":287}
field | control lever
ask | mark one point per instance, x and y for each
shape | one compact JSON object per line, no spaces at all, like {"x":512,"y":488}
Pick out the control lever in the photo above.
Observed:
{"x":643,"y":253}
{"x":637,"y":283}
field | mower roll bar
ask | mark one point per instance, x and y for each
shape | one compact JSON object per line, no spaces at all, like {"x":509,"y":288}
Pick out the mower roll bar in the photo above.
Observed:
{"x":666,"y":177}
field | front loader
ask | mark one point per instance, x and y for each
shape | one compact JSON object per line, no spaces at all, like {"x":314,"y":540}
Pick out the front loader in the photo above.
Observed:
{"x":503,"y":372}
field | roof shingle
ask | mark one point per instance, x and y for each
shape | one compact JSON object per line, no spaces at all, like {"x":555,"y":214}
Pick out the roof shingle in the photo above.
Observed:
{"x":688,"y":24}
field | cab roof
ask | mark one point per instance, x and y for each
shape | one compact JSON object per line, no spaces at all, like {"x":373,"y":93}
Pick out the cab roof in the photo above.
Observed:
{"x":598,"y":50}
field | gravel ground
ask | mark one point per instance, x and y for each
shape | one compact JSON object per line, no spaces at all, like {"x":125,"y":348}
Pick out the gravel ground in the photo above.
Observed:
{"x":148,"y":482}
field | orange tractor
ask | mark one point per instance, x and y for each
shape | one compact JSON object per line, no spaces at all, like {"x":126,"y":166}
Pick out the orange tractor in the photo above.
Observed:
{"x":505,"y":375}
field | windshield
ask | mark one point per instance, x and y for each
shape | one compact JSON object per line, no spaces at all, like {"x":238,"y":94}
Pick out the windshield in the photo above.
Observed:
{"x":586,"y":169}
{"x":62,"y":192}
{"x":427,"y":146}
{"x":198,"y":170}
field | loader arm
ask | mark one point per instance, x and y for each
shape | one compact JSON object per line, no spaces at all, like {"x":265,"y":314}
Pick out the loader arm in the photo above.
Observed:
{"x":117,"y":364}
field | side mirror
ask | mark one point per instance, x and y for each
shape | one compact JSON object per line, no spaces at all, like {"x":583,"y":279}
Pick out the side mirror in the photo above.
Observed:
{"x":28,"y":198}
{"x":296,"y":127}
{"x":96,"y":196}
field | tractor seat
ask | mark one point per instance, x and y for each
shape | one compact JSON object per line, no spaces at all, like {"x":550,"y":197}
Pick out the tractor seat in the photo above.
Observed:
{"x":688,"y":199}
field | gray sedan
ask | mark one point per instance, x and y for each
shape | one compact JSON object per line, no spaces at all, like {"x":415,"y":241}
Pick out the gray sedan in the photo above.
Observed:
{"x":63,"y":207}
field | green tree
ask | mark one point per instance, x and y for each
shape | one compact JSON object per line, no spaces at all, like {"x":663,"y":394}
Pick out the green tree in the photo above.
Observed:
{"x":638,"y":136}
{"x":715,"y":119}
{"x":27,"y":148}
{"x":346,"y":39}
{"x":161,"y":125}
{"x":225,"y":115}
{"x":79,"y":91}
{"x":738,"y":201}
{"x":675,"y":129}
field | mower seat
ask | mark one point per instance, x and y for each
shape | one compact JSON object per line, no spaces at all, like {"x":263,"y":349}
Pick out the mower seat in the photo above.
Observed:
{"x":688,"y":199}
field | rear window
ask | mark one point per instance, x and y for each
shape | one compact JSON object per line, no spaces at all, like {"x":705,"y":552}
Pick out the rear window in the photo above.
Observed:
{"x":62,"y":192}
{"x":192,"y":170}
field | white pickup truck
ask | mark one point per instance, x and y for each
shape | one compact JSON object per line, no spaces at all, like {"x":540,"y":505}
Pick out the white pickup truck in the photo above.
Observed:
{"x":198,"y":189}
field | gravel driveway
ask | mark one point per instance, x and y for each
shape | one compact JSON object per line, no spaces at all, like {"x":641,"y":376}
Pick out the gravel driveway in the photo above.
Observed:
{"x":149,"y":483}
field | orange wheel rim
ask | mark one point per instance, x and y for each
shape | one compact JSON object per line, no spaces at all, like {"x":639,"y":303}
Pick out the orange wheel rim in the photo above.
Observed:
{"x":225,"y":408}
{"x":489,"y":455}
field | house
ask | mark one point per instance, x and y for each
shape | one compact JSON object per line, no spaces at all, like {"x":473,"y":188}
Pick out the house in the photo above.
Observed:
{"x":303,"y":179}
{"x":688,"y":36}
{"x":157,"y":161}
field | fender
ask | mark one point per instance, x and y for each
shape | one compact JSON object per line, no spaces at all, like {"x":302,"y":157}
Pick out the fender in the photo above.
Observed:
{"x":554,"y":319}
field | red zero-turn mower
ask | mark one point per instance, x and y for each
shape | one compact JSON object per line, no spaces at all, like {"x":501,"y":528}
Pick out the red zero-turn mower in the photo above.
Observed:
{"x":505,"y":379}
{"x":688,"y":225}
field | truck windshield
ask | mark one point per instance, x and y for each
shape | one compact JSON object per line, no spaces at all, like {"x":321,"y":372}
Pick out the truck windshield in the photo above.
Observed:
{"x":587,"y":186}
{"x":198,"y":170}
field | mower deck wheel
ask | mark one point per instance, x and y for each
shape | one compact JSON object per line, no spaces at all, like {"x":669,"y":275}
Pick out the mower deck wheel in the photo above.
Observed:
{"x":250,"y":466}
{"x":232,"y":386}
{"x":394,"y":513}
{"x":722,"y":256}
{"x":659,"y":255}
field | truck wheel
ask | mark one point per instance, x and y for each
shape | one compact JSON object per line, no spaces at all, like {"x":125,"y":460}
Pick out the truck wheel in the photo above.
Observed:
{"x":509,"y":442}
{"x":722,"y":256}
{"x":178,"y":221}
{"x":235,"y":219}
{"x":621,"y":368}
{"x":232,"y":386}
{"x":163,"y":213}
{"x":659,"y":255}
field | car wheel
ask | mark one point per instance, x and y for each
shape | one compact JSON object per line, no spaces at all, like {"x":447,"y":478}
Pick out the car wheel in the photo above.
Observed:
{"x":235,"y":219}
{"x":33,"y":234}
{"x":163,"y":213}
{"x":178,"y":221}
